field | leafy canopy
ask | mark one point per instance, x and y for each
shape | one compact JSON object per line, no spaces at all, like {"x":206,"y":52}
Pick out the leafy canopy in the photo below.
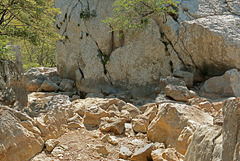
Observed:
{"x":134,"y":14}
{"x":28,"y":19}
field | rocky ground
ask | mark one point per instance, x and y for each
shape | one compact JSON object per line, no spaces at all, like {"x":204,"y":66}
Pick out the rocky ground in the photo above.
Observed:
{"x":61,"y":123}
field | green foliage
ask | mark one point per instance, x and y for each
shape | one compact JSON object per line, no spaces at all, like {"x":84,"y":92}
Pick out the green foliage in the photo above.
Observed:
{"x":134,"y":14}
{"x":87,"y":14}
{"x":29,"y":23}
{"x":104,"y":58}
{"x":5,"y":50}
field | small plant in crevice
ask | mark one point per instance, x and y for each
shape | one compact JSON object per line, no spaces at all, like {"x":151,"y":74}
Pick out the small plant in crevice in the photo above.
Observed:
{"x":87,"y":14}
{"x":104,"y":58}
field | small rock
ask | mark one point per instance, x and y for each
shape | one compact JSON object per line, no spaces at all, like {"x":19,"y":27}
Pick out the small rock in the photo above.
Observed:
{"x":34,"y":85}
{"x":140,"y":124}
{"x":124,"y":153}
{"x":169,"y":154}
{"x":49,"y":86}
{"x":143,"y":154}
{"x":110,"y":139}
{"x":102,"y":149}
{"x":217,"y":105}
{"x":51,"y":144}
{"x":206,"y":106}
{"x":113,"y":124}
{"x":179,"y":93}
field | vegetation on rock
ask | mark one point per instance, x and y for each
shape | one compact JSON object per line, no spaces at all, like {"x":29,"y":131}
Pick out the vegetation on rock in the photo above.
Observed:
{"x":134,"y":14}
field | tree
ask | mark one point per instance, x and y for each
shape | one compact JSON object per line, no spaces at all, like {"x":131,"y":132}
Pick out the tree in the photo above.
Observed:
{"x":28,"y":19}
{"x":134,"y":14}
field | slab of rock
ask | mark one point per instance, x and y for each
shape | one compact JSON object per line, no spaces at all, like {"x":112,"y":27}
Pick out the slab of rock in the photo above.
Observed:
{"x":51,"y":144}
{"x":169,"y":154}
{"x":49,"y":86}
{"x":206,"y":144}
{"x":175,"y":125}
{"x":16,"y":142}
{"x":226,"y":85}
{"x":143,"y":154}
{"x":112,"y":124}
{"x":185,"y":76}
{"x":179,"y":93}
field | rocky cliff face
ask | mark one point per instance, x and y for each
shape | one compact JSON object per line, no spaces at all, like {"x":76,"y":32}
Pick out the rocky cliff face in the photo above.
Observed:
{"x":202,"y":39}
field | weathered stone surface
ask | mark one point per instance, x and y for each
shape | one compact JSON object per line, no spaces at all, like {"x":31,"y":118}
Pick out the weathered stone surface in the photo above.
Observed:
{"x":16,"y":142}
{"x":112,"y":124}
{"x":12,"y":85}
{"x":143,"y":154}
{"x":168,"y":154}
{"x":175,"y":124}
{"x":231,"y":132}
{"x":202,"y":39}
{"x":206,"y":144}
{"x":226,"y":85}
{"x":51,"y":144}
{"x":179,"y":93}
{"x":54,"y":122}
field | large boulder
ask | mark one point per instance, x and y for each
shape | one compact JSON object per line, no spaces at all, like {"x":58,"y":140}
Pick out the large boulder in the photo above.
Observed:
{"x":206,"y":144}
{"x":17,"y":142}
{"x":175,"y":124}
{"x":201,"y":40}
{"x":226,"y":85}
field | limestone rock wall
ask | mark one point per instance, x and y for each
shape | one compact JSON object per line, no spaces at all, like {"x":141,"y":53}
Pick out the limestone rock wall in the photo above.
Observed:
{"x":203,"y":39}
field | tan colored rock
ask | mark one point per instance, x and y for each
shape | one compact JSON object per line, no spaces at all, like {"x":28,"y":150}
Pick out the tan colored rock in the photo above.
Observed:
{"x":93,"y":115}
{"x":51,"y":144}
{"x":16,"y":142}
{"x":102,"y":150}
{"x":112,"y":124}
{"x":140,"y":124}
{"x":133,"y":110}
{"x":143,"y":154}
{"x":217,"y":105}
{"x":54,"y":122}
{"x":185,"y":76}
{"x":175,"y":125}
{"x":206,"y":106}
{"x":206,"y":144}
{"x":168,"y":154}
{"x":82,"y":105}
{"x":179,"y":93}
